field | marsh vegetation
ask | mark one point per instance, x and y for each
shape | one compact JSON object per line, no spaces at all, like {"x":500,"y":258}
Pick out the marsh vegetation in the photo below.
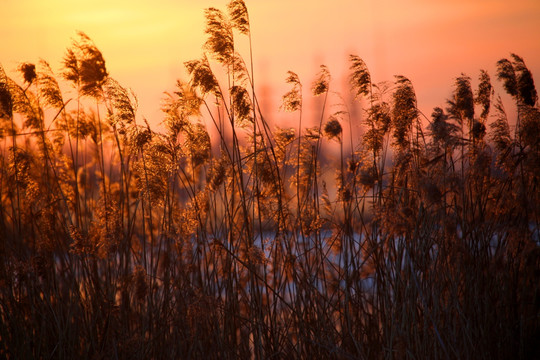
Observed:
{"x":118,"y":241}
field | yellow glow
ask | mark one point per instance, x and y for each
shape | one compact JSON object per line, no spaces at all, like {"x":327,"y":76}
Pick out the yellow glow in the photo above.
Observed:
{"x":146,"y":42}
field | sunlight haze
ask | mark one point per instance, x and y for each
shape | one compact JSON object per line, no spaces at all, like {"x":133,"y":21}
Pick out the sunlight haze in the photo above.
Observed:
{"x":269,"y":179}
{"x":145,"y":43}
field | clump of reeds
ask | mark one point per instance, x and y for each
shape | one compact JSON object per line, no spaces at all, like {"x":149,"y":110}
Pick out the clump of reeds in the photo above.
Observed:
{"x":117,"y":241}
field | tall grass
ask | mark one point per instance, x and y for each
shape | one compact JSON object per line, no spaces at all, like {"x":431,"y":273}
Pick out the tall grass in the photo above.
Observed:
{"x":118,"y":241}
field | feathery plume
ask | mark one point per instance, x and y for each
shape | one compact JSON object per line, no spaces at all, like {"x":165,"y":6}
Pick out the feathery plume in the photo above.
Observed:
{"x":178,"y":109}
{"x":48,"y":87}
{"x":29,"y":72}
{"x":442,"y":131}
{"x":378,"y":122}
{"x":322,"y":84}
{"x":484,"y":93}
{"x":85,"y":67}
{"x":332,"y":129}
{"x":122,"y":108}
{"x":198,"y":144}
{"x":220,"y":37}
{"x":292,"y":100}
{"x":360,"y":77}
{"x":462,"y":104}
{"x":239,"y":15}
{"x":202,"y":76}
{"x":506,"y":73}
{"x":404,"y":111}
{"x":25,"y":103}
{"x":241,"y":103}
{"x":188,"y":100}
{"x":283,"y":137}
{"x":6,"y":100}
{"x":501,"y":132}
{"x":525,"y":83}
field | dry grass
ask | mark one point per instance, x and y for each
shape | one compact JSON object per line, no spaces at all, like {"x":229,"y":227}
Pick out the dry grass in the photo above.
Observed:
{"x":121,"y":242}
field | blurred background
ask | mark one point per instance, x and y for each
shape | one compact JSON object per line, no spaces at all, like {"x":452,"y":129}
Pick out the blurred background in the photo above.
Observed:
{"x":146,"y":42}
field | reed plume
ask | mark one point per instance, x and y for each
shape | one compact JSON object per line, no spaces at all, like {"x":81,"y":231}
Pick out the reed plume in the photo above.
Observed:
{"x":401,"y":239}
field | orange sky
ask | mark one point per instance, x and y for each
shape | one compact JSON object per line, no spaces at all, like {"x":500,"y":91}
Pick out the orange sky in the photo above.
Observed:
{"x":145,"y":42}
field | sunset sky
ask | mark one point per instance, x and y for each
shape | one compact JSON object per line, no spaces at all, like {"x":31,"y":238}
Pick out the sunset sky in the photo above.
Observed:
{"x":146,"y":42}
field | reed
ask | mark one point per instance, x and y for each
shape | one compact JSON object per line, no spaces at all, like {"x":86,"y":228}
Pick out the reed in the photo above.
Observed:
{"x":121,"y":242}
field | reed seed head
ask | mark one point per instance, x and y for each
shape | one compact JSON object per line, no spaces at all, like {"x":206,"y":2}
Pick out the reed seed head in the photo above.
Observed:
{"x":220,"y":42}
{"x":322,"y":84}
{"x":292,"y":100}
{"x":239,"y":15}
{"x":29,"y":72}
{"x":332,"y":129}
{"x":360,"y":77}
